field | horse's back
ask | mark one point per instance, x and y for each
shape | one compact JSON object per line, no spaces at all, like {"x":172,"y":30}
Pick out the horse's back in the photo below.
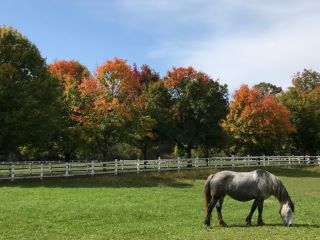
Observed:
{"x":242,"y":186}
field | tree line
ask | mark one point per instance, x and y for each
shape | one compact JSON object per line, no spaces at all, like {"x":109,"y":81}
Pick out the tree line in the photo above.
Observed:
{"x":63,"y":111}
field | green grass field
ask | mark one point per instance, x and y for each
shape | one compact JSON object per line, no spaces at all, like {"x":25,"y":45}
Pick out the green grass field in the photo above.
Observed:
{"x":148,"y":206}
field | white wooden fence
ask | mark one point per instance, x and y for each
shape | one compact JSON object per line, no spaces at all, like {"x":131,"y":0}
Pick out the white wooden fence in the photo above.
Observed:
{"x":44,"y":169}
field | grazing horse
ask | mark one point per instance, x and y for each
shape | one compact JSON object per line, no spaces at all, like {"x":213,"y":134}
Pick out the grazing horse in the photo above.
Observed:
{"x":245,"y":186}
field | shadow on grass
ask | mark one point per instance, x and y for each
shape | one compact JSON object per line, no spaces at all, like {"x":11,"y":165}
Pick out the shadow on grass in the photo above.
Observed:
{"x":130,"y":180}
{"x":275,"y":225}
{"x":296,"y":171}
{"x":285,"y":171}
{"x":152,"y":179}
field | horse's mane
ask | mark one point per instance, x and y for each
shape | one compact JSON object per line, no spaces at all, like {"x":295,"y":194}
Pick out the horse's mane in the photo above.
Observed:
{"x":280,"y":192}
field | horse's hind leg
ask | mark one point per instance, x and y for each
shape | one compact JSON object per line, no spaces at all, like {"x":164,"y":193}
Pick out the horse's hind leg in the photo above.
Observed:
{"x":253,"y":208}
{"x":219,"y":208}
{"x":260,"y":209}
{"x":211,"y":205}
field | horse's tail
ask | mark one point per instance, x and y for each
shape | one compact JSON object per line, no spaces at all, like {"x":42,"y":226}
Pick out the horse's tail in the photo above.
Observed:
{"x":207,"y":193}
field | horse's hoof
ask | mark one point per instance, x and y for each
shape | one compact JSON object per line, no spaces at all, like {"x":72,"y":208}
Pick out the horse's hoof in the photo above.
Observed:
{"x":223,"y":224}
{"x":248,"y":222}
{"x":207,"y":223}
{"x":260,"y":223}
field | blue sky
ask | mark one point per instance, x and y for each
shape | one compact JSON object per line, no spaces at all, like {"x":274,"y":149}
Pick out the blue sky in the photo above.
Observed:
{"x":233,"y":40}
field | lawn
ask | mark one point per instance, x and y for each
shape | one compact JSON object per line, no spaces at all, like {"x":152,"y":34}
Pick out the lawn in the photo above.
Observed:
{"x":148,"y":206}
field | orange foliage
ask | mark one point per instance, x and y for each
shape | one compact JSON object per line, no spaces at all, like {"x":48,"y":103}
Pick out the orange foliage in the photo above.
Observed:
{"x":118,"y":78}
{"x":90,"y":87}
{"x":177,"y":75}
{"x":69,"y":72}
{"x":257,"y":119}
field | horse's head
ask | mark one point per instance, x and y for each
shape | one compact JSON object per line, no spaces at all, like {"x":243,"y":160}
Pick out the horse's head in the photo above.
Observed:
{"x":286,"y":213}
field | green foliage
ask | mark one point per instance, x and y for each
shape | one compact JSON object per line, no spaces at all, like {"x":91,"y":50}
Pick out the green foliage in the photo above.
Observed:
{"x":268,"y":88}
{"x":30,"y":99}
{"x":199,"y":105}
{"x":303,"y":100}
{"x":152,"y":118}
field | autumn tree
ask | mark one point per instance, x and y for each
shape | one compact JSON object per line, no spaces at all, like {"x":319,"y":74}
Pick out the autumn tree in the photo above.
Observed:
{"x":258,"y":123}
{"x":108,"y":99}
{"x":199,"y":105}
{"x":30,"y":98}
{"x":303,"y":100}
{"x":71,"y":74}
{"x":268,"y":88}
{"x":148,"y":76}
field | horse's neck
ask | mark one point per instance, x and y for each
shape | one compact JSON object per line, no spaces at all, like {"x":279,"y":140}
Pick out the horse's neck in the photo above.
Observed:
{"x":281,"y":193}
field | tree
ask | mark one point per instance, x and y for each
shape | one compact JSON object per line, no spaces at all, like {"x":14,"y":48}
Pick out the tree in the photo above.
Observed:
{"x":108,"y":99}
{"x":152,"y":118}
{"x":306,"y":81}
{"x":303,"y":100}
{"x":268,"y":88}
{"x":199,"y":105}
{"x":258,"y":123}
{"x":119,"y":79}
{"x":71,"y":74}
{"x":148,"y":75}
{"x":30,"y":99}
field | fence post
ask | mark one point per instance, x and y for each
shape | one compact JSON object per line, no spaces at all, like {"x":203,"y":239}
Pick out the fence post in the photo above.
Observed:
{"x":138,"y":166}
{"x":122,"y":164}
{"x":159,"y":164}
{"x":264,"y":160}
{"x":50,"y":168}
{"x":41,"y":172}
{"x":12,"y":172}
{"x":232,"y":160}
{"x":66,"y":169}
{"x":197,"y":162}
{"x":289,"y":160}
{"x":319,"y":160}
{"x":92,"y":167}
{"x":116,"y":166}
{"x":180,"y":163}
{"x":30,"y":168}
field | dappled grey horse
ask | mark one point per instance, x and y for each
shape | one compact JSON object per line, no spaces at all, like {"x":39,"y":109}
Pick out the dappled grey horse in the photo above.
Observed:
{"x":257,"y":185}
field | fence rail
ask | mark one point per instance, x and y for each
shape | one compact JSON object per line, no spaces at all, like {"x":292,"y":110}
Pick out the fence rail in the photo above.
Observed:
{"x":45,"y":169}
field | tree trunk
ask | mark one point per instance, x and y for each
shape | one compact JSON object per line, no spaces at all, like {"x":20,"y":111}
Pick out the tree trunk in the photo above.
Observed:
{"x":144,"y":150}
{"x":206,"y":155}
{"x":67,"y":156}
{"x":189,"y":156}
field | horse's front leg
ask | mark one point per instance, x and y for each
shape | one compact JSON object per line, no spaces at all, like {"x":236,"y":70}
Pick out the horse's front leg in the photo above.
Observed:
{"x":260,"y":209}
{"x":219,"y":208}
{"x":253,"y":208}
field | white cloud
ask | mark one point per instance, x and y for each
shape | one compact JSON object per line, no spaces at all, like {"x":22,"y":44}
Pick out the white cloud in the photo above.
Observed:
{"x":289,"y":43}
{"x":239,"y":41}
